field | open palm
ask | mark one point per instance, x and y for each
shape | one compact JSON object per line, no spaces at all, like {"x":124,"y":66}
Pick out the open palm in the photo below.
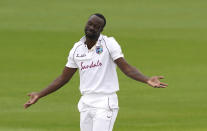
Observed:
{"x":155,"y":82}
{"x":34,"y":96}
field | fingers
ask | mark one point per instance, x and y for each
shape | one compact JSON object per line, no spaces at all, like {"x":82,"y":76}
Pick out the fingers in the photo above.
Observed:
{"x":26,"y":105}
{"x":163,"y":84}
{"x":160,"y":77}
{"x":31,"y":101}
{"x":160,"y":85}
{"x":155,"y":82}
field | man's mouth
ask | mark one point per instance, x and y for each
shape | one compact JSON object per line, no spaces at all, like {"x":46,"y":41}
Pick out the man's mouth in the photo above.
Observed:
{"x":90,"y":31}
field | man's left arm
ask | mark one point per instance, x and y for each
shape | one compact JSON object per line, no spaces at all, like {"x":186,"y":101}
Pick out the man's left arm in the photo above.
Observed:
{"x":135,"y":74}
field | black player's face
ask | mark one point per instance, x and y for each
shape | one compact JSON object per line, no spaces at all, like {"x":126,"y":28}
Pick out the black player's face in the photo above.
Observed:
{"x":94,"y":27}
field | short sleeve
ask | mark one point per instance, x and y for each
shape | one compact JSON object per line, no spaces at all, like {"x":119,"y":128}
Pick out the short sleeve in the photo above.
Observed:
{"x":114,"y":49}
{"x":71,"y":62}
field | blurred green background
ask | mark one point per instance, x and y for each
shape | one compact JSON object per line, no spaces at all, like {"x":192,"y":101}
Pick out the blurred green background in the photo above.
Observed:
{"x":159,"y":37}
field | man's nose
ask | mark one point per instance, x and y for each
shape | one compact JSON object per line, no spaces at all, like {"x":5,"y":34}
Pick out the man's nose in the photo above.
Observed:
{"x":91,"y":28}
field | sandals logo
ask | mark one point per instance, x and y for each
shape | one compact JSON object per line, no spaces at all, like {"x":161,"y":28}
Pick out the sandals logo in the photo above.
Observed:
{"x":92,"y":65}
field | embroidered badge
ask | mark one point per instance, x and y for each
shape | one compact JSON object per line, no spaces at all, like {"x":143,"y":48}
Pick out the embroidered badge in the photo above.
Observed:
{"x":99,"y":49}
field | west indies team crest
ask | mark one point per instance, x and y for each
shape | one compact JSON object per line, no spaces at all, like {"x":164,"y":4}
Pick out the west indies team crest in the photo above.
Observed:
{"x":99,"y":49}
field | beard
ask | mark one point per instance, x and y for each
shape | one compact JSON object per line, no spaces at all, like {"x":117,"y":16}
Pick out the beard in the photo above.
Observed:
{"x":91,"y":34}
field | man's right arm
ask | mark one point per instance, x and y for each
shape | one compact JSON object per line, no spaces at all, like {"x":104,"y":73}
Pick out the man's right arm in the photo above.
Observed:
{"x":55,"y":85}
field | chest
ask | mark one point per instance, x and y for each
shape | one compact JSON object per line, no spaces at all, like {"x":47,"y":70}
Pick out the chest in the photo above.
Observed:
{"x":91,"y":59}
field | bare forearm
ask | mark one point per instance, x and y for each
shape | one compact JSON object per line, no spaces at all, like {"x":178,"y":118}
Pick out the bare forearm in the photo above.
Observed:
{"x":59,"y":82}
{"x":136,"y":75}
{"x":55,"y":85}
{"x":131,"y":71}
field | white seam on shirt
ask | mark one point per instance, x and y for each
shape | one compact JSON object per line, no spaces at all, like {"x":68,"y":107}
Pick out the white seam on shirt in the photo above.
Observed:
{"x":75,"y":51}
{"x":107,"y":49}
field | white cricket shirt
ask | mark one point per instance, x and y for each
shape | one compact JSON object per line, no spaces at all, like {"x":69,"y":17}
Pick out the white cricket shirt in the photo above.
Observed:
{"x":96,"y":66}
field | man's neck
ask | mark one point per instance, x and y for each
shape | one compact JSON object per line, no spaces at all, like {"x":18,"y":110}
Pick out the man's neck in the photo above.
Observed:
{"x":90,"y":42}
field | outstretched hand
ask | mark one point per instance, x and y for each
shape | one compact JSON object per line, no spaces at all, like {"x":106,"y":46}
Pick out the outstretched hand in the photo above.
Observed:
{"x":155,"y":82}
{"x":34,"y":96}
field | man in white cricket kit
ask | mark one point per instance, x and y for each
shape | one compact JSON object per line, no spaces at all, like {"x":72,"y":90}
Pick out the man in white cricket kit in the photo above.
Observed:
{"x":96,"y":57}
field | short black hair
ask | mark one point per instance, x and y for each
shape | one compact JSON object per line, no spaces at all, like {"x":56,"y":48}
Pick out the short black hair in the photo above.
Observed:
{"x":102,"y":17}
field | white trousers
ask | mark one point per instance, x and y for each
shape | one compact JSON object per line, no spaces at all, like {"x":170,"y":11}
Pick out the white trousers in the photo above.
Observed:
{"x":98,"y":112}
{"x":98,"y":119}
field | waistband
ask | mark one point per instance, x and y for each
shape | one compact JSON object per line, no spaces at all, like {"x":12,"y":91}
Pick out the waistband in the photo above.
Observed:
{"x":99,"y":94}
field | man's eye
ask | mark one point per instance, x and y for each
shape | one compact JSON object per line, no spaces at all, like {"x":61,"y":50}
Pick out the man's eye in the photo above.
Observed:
{"x":89,"y":23}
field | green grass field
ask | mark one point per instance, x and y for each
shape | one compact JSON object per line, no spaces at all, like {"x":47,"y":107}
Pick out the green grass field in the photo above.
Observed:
{"x":159,"y":37}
